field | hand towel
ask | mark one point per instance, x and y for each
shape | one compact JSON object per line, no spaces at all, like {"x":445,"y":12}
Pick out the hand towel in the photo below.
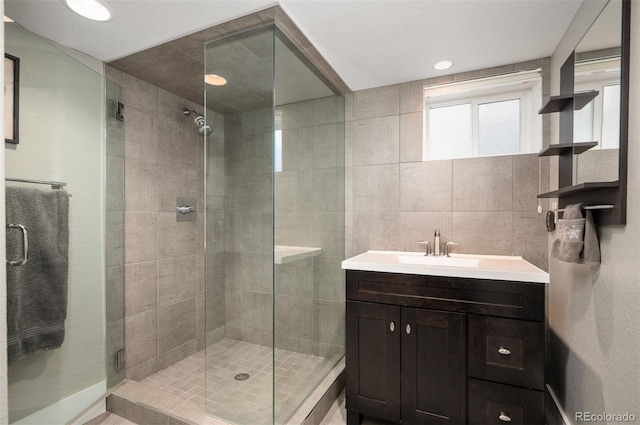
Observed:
{"x":577,"y":241}
{"x":37,"y":290}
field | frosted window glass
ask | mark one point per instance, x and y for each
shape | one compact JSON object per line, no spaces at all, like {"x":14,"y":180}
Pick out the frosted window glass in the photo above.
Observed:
{"x":499,"y":128}
{"x":611,"y":117}
{"x":450,"y":132}
{"x":278,"y":151}
{"x":583,"y":124}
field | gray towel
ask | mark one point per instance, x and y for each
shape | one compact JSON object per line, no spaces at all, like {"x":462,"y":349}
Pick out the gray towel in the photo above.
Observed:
{"x":37,"y":290}
{"x":577,"y":241}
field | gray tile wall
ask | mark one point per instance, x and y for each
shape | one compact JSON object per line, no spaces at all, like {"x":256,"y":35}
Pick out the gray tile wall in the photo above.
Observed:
{"x":394,"y":199}
{"x":309,"y":211}
{"x":163,"y":159}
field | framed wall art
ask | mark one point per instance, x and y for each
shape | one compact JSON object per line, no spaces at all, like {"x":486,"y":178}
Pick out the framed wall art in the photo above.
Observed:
{"x":11,"y":96}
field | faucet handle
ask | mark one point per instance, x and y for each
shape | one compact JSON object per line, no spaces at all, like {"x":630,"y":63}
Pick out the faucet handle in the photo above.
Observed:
{"x":428,"y":253}
{"x":436,"y":233}
{"x":446,"y":248}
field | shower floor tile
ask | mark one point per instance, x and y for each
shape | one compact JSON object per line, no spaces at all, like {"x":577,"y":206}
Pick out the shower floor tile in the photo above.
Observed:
{"x":180,"y":389}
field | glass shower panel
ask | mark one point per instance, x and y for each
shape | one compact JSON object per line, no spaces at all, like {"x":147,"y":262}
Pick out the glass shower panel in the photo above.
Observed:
{"x":114,"y":233}
{"x":239,"y":228}
{"x":309,"y":228}
{"x":62,"y":131}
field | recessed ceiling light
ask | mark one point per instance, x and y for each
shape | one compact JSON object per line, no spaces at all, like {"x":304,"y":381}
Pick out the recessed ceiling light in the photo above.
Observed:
{"x":215,"y":80}
{"x":443,"y":65}
{"x":90,"y":9}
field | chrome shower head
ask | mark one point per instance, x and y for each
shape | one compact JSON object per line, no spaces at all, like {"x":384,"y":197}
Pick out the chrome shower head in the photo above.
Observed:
{"x":199,"y":121}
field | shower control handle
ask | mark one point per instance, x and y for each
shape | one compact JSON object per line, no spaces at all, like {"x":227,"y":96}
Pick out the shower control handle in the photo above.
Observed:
{"x":185,"y":209}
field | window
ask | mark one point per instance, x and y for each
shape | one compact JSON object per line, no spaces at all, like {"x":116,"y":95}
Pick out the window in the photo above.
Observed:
{"x":600,"y":119}
{"x":484,"y":117}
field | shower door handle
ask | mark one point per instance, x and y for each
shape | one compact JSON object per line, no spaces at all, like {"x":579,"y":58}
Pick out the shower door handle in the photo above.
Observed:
{"x":25,"y":245}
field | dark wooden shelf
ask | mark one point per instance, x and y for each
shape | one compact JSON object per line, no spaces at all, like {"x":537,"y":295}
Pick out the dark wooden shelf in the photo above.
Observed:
{"x":558,"y":103}
{"x":562,"y":148}
{"x":579,"y":188}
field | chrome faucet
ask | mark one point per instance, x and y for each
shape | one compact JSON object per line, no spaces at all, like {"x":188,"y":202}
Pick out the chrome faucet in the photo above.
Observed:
{"x":436,"y":243}
{"x":428,"y":253}
{"x":446,"y":248}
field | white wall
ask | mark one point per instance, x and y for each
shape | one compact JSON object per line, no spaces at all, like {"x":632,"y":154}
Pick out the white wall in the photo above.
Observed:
{"x":61,"y":138}
{"x":594,"y":311}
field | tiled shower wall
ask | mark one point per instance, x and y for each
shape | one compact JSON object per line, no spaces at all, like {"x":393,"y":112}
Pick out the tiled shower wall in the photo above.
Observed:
{"x":394,"y":199}
{"x":164,"y":259}
{"x":309,"y":212}
{"x":310,"y":292}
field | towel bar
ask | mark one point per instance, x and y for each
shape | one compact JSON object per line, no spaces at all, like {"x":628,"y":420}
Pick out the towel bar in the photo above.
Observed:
{"x":588,"y":207}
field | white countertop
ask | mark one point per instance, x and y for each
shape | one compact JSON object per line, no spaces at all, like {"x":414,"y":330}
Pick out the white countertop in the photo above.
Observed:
{"x":497,"y":267}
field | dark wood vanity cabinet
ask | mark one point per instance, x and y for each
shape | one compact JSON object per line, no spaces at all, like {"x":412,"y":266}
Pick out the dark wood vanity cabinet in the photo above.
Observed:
{"x":441,"y":350}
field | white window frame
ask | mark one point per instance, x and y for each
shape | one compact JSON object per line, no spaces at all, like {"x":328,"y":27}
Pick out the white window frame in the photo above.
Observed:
{"x":525,"y":86}
{"x":596,"y":75}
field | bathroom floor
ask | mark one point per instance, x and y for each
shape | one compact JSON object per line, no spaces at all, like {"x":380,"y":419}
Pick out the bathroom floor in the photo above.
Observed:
{"x":180,"y":388}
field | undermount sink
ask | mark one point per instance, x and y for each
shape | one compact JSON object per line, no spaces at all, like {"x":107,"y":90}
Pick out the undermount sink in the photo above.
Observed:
{"x":438,"y":261}
{"x":500,"y":267}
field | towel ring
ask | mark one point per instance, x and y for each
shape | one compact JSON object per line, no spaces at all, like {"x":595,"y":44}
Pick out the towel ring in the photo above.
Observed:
{"x":25,"y":245}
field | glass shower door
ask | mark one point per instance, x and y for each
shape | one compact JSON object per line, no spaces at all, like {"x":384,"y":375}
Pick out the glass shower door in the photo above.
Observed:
{"x":62,"y":127}
{"x":239,"y":223}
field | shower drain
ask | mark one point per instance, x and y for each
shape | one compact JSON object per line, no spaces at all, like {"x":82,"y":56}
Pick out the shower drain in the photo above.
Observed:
{"x":241,"y":377}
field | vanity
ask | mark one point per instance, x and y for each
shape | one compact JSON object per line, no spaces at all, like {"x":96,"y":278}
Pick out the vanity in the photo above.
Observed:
{"x":444,"y":340}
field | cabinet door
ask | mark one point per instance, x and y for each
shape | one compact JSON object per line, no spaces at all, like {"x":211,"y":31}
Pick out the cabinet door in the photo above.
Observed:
{"x":433,"y":367}
{"x":373,"y":359}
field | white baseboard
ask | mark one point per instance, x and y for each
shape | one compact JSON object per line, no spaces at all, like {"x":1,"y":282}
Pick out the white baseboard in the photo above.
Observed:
{"x":557,"y":407}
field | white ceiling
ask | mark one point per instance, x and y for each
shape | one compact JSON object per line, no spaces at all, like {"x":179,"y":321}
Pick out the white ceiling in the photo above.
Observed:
{"x":370,"y":43}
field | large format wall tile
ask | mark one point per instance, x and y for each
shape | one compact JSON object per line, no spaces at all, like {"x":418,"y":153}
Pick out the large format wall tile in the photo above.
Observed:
{"x":377,"y":102}
{"x":530,"y":238}
{"x":140,"y":135}
{"x":141,"y":337}
{"x":176,"y":324}
{"x":293,"y":318}
{"x":375,"y":231}
{"x":175,"y":239}
{"x":141,"y":190}
{"x":416,"y":227}
{"x":376,"y":141}
{"x":483,"y":184}
{"x":176,"y":279}
{"x":426,"y":186}
{"x":376,"y":188}
{"x":526,"y":182}
{"x":411,"y":137}
{"x":484,"y":232}
{"x":140,"y":237}
{"x":141,"y":291}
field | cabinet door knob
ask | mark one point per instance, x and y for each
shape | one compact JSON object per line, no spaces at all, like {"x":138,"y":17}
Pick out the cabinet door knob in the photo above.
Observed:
{"x":504,"y":352}
{"x":408,"y":329}
{"x":504,"y":417}
{"x":392,"y":326}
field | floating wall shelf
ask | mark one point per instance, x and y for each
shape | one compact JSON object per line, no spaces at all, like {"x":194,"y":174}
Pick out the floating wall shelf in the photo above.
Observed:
{"x":562,"y":148}
{"x":579,"y":188}
{"x":558,"y":103}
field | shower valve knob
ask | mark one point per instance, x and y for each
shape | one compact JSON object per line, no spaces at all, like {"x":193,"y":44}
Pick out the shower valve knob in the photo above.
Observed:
{"x":185,"y":209}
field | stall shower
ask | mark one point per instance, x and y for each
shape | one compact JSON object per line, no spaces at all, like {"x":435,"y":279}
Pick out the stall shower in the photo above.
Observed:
{"x":249,"y":326}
